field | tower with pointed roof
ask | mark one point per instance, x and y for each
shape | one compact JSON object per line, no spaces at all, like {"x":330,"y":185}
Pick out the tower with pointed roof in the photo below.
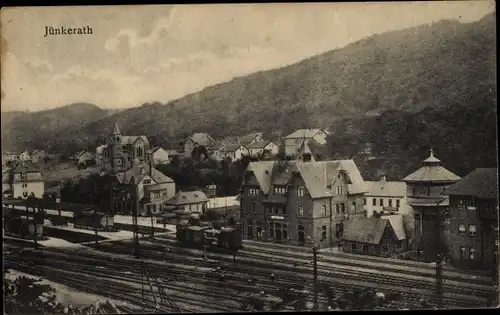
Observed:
{"x":425,"y":188}
{"x":114,"y":147}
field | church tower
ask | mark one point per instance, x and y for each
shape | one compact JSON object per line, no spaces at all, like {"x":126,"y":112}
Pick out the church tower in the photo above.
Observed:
{"x":115,"y":149}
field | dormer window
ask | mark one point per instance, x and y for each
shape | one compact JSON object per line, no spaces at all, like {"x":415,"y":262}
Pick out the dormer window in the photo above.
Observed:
{"x":279,"y":190}
{"x":339,"y":190}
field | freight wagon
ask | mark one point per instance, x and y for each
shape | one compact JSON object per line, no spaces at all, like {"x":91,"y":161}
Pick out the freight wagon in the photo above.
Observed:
{"x":199,"y":237}
{"x":94,"y":221}
{"x":23,"y":228}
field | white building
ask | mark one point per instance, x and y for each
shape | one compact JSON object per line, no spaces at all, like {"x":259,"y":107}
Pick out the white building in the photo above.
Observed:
{"x":24,"y":156}
{"x":294,"y":141}
{"x":261,"y":147}
{"x":160,"y":156}
{"x":386,"y":197}
{"x":100,"y":157}
{"x":27,"y":182}
{"x":233,"y":151}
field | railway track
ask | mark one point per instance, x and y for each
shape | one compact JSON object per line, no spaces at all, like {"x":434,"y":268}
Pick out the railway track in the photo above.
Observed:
{"x":347,"y":276}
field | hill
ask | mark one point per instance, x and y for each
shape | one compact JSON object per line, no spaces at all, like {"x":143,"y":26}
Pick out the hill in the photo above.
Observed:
{"x":44,"y":129}
{"x":463,"y":138}
{"x":439,"y":65}
{"x":442,"y":65}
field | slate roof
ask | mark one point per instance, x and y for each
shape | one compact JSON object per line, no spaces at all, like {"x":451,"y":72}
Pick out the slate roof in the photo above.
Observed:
{"x":303,"y":133}
{"x":187,"y":197}
{"x":316,"y":175}
{"x":481,"y":183}
{"x":385,"y":189}
{"x":230,"y":148}
{"x":31,"y":176}
{"x":124,"y":140}
{"x":370,"y":230}
{"x":219,"y":144}
{"x":431,"y":171}
{"x":245,"y":140}
{"x":202,"y":138}
{"x":259,"y":145}
{"x":133,"y":175}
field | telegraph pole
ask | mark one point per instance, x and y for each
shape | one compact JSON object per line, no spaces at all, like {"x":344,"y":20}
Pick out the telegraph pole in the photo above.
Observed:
{"x":439,"y":279}
{"x":315,"y":275}
{"x":136,"y":231}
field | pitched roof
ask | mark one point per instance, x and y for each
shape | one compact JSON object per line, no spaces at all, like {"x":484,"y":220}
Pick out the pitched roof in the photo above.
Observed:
{"x":201,"y":138}
{"x":230,"y":147}
{"x":259,"y":144}
{"x":116,"y":129}
{"x":385,"y":189}
{"x":134,"y":175}
{"x":316,"y":175}
{"x":481,"y":183}
{"x":249,"y":138}
{"x":132,"y":139}
{"x":219,"y":144}
{"x":304,"y":133}
{"x":431,"y":171}
{"x":370,"y":230}
{"x":187,"y":197}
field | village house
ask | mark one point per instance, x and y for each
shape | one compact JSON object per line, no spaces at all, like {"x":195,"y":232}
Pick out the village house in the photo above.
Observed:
{"x":233,"y":152}
{"x":374,"y":236}
{"x":192,"y":201}
{"x":294,"y":141}
{"x":9,"y":157}
{"x":196,"y":140}
{"x":474,"y":225}
{"x":250,"y":139}
{"x":86,"y":158}
{"x":424,"y":193}
{"x":38,"y":156}
{"x":261,"y":148}
{"x":291,"y":201}
{"x":160,"y":156}
{"x":24,"y":156}
{"x":27,"y":182}
{"x":141,"y":187}
{"x":123,"y":152}
{"x":386,"y":197}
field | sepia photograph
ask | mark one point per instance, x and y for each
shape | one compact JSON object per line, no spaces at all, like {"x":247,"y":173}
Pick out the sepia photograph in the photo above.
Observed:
{"x":209,"y":158}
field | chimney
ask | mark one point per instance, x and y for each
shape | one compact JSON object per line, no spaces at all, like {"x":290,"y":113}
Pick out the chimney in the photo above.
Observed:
{"x":383,"y":178}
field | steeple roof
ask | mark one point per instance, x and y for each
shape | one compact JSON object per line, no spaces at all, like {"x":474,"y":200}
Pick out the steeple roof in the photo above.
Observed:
{"x":432,"y":171}
{"x":116,"y":130}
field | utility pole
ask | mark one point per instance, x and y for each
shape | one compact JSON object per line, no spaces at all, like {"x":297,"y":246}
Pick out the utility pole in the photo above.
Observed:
{"x":439,"y":279}
{"x":315,"y":277}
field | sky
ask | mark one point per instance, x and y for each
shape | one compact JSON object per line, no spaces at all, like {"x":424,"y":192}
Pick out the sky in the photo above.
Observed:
{"x":140,"y":54}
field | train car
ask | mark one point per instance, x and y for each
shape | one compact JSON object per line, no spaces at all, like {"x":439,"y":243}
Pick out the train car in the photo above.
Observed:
{"x":195,"y":236}
{"x":93,"y":220}
{"x":181,"y":232}
{"x":211,"y":237}
{"x":230,"y":238}
{"x":23,"y":228}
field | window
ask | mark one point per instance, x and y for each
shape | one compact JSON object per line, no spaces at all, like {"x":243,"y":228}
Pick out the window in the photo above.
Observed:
{"x":23,"y":176}
{"x":300,"y":211}
{"x":381,"y":201}
{"x":337,"y":208}
{"x":339,"y":190}
{"x":428,"y":191}
{"x":301,"y":191}
{"x":323,"y":210}
{"x":399,"y":245}
{"x":461,"y":229}
{"x":374,"y":202}
{"x":259,"y":231}
{"x":471,"y":204}
{"x":472,"y":230}
{"x":323,"y":233}
{"x":25,"y":194}
{"x":364,"y":201}
{"x":390,"y":202}
{"x":253,"y":191}
{"x":385,"y":248}
{"x":25,"y":185}
{"x":353,"y":246}
{"x":472,"y":253}
{"x":271,"y":230}
{"x":253,"y":206}
{"x":279,"y":190}
{"x":414,"y":191}
{"x":397,"y":203}
{"x":342,"y":207}
{"x":365,"y":248}
{"x":339,"y":230}
{"x":157,"y":195}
